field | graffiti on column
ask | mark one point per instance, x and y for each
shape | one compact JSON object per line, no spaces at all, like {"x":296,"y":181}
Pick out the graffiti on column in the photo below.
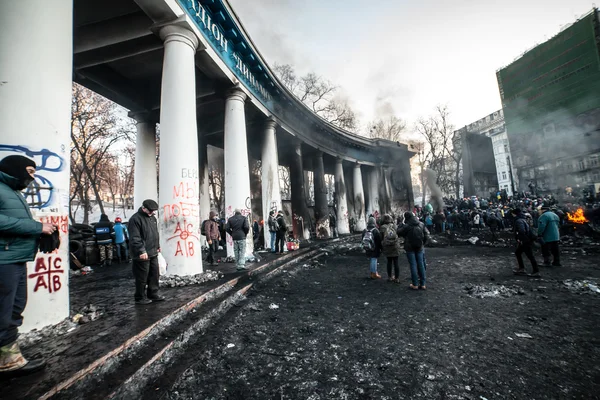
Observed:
{"x":180,"y":215}
{"x":39,"y":194}
{"x":49,"y":269}
{"x":273,"y":206}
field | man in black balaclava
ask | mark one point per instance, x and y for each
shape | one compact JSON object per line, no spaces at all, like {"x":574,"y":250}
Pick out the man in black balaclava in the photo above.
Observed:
{"x":19,"y":237}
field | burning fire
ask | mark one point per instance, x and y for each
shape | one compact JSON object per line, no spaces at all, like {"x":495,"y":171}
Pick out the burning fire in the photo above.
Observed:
{"x":577,"y":217}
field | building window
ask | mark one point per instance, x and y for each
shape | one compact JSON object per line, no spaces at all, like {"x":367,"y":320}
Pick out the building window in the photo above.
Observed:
{"x":503,"y":175}
{"x":581,"y":165}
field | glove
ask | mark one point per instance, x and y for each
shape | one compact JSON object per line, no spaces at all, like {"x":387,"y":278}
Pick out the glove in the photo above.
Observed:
{"x":49,"y":243}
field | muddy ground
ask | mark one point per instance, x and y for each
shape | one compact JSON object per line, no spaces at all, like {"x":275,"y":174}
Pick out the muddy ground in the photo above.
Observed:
{"x":325,"y":331}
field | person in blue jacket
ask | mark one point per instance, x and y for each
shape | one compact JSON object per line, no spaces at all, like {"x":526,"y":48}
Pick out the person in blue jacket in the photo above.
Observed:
{"x":548,"y":232}
{"x":19,"y":241}
{"x":121,"y":240}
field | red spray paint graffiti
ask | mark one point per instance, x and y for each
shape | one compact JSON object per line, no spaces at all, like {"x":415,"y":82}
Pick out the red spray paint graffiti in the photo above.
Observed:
{"x":48,"y":270}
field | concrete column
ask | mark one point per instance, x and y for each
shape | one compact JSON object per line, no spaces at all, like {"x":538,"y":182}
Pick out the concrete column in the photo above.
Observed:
{"x":36,"y":57}
{"x":145,"y":184}
{"x":373,"y":188}
{"x":203,"y":183}
{"x":271,"y":195}
{"x":237,"y":171}
{"x":321,"y":208}
{"x":340,"y":197}
{"x":359,"y":199}
{"x":383,"y":191}
{"x":388,"y":189}
{"x":179,"y":219}
{"x":300,"y":215}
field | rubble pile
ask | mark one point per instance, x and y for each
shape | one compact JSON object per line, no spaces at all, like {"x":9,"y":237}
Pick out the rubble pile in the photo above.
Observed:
{"x":83,"y":271}
{"x":34,"y":336}
{"x":313,"y":264}
{"x":87,"y":314}
{"x":483,"y":291}
{"x":584,"y":286}
{"x":347,"y":247}
{"x":178,"y":281}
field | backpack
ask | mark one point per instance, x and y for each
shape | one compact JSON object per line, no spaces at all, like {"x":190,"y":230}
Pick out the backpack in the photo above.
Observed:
{"x":390,"y":238}
{"x":416,"y":237}
{"x":203,"y":228}
{"x":368,"y":242}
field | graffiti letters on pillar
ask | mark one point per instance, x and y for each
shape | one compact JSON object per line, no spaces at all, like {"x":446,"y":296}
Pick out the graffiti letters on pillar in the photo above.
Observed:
{"x":273,"y":206}
{"x":181,"y":214}
{"x":49,"y":269}
{"x":323,"y":228}
{"x":39,"y":194}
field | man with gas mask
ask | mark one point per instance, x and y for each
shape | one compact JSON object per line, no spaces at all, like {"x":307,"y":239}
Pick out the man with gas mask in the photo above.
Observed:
{"x":19,"y":240}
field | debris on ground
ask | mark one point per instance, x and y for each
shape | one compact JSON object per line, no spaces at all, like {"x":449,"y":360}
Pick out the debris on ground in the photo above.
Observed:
{"x":473,"y":239}
{"x":481,"y":291}
{"x":582,"y":286}
{"x":523,"y":335}
{"x":83,"y":271}
{"x":34,"y":336}
{"x":273,"y":306}
{"x":178,"y":281}
{"x":87,"y":314}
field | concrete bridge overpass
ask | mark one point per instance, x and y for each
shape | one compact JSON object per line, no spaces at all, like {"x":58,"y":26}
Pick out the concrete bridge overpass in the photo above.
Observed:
{"x":190,"y":66}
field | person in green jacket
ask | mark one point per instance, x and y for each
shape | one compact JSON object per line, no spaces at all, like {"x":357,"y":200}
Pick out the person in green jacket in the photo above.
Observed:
{"x":548,"y":231}
{"x":19,"y":239}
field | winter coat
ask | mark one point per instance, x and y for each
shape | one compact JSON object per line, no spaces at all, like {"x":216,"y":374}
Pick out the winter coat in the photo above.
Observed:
{"x":548,"y":224}
{"x":377,"y":239}
{"x":390,"y":251}
{"x":19,"y":232}
{"x":272,"y":223}
{"x":104,"y":231}
{"x":238,"y":227}
{"x":522,"y":229}
{"x":282,"y":226}
{"x":212,"y":230}
{"x":121,"y":233}
{"x":408,"y":231}
{"x":143,"y":235}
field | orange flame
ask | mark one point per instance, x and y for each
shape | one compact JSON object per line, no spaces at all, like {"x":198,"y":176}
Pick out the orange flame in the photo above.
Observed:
{"x":577,"y":217}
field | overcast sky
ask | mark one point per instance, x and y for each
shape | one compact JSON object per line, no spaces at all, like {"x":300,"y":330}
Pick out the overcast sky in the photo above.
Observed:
{"x":403,"y":57}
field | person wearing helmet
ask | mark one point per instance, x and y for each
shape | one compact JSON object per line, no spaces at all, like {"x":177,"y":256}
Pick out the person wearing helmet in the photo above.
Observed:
{"x":121,"y":240}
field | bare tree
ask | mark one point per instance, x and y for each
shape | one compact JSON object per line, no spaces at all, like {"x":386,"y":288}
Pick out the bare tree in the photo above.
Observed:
{"x":95,"y":128}
{"x":441,"y":155}
{"x":390,"y":128}
{"x":284,"y":182}
{"x":319,"y":95}
{"x":216,"y":184}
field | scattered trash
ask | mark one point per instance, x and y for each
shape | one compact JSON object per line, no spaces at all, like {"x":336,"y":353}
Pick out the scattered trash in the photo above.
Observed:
{"x":473,"y":239}
{"x":88,"y":313}
{"x":481,"y":291}
{"x":431,"y":377}
{"x":230,"y":345}
{"x":177,"y":281}
{"x":273,"y":306}
{"x":468,"y":388}
{"x":83,"y":271}
{"x":524,"y":335}
{"x":582,"y":286}
{"x":51,"y":332}
{"x":366,"y":304}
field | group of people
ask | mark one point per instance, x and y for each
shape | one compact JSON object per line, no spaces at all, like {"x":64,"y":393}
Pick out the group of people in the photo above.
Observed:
{"x":386,"y":240}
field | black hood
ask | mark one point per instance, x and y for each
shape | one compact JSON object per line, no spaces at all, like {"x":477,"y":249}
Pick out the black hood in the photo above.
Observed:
{"x":16,"y":166}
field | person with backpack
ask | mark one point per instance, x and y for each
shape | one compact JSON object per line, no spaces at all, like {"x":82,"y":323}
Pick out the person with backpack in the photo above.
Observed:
{"x":281,"y":231}
{"x":371,"y":242}
{"x":525,"y":238}
{"x":415,"y":237}
{"x":213,"y":237}
{"x":104,"y":236}
{"x":273,"y":228}
{"x":391,"y":247}
{"x":121,"y":239}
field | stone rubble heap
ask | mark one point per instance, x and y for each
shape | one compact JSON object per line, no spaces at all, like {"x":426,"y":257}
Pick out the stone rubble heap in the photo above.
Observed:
{"x":34,"y":336}
{"x":178,"y":281}
{"x":87,"y":314}
{"x":483,"y":291}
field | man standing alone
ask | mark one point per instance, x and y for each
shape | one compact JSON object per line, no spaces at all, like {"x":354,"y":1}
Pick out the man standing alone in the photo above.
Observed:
{"x":144,"y":248}
{"x":273,"y":228}
{"x":238,"y":227}
{"x":19,"y":238}
{"x":213,"y":237}
{"x":281,"y":231}
{"x":548,"y":231}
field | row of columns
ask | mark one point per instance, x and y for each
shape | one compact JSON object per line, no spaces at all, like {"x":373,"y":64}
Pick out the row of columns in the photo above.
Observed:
{"x":184,"y":198}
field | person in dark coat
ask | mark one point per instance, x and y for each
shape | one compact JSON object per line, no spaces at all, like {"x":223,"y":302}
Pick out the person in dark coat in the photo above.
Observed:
{"x":19,"y":240}
{"x":281,"y":232}
{"x":524,"y":243}
{"x":273,"y":228}
{"x":415,"y":236}
{"x":390,"y":244}
{"x":105,"y":236}
{"x":213,"y":237}
{"x":144,"y":247}
{"x":373,"y":253}
{"x":238,"y":227}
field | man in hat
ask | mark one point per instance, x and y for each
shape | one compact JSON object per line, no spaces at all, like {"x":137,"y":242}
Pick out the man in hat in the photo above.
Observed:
{"x":238,"y":227}
{"x":144,"y":248}
{"x":19,"y":237}
{"x":548,"y":231}
{"x":524,"y":240}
